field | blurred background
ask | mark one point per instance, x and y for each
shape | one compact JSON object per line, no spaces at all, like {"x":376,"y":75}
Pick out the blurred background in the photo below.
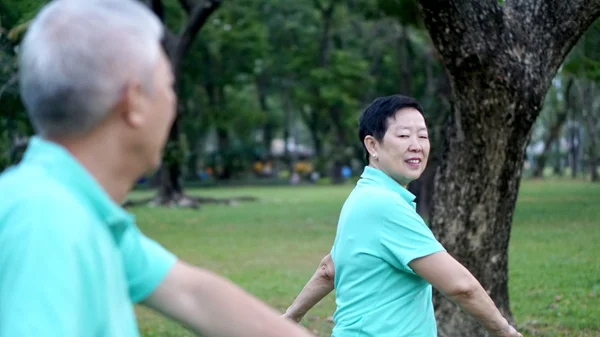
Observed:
{"x":265,"y":147}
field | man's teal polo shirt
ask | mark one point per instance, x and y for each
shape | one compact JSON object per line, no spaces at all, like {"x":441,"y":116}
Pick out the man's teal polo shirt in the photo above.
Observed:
{"x":72,"y":262}
{"x":379,"y":233}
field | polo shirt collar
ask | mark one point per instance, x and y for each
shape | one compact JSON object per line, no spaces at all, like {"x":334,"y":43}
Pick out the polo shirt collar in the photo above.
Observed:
{"x":63,"y":167}
{"x":382,"y":179}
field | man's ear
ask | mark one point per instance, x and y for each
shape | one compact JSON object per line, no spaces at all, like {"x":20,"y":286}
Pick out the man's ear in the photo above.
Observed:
{"x":370,"y":144}
{"x":130,"y":108}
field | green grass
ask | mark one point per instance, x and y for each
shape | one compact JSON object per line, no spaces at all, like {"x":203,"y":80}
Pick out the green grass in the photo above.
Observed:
{"x":554,"y":270}
{"x":271,"y":248}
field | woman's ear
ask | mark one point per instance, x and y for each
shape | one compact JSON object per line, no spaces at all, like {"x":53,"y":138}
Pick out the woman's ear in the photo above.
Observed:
{"x":371,"y":145}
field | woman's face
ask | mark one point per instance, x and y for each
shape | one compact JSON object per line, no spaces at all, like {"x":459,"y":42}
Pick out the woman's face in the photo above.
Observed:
{"x":403,"y":152}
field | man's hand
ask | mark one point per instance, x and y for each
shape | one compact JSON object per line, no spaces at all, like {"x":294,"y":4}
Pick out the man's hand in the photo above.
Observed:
{"x":210,"y":305}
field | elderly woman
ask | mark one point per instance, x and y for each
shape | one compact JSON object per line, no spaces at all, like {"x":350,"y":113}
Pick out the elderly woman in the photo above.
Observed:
{"x":385,"y":259}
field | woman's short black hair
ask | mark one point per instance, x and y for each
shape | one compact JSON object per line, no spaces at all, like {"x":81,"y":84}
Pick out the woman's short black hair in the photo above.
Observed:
{"x":374,"y":121}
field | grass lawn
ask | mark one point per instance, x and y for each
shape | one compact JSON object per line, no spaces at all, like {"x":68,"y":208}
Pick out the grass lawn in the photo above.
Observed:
{"x":272,"y":247}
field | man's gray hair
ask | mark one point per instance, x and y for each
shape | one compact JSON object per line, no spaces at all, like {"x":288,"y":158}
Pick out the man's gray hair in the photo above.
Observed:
{"x":78,"y":56}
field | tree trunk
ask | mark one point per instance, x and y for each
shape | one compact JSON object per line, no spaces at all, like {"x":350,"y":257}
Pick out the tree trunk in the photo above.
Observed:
{"x":574,"y":148}
{"x":290,"y":157}
{"x":320,"y":106}
{"x":558,"y":162}
{"x":225,"y":171}
{"x":476,"y":189}
{"x":338,"y":157}
{"x":170,"y":191}
{"x":593,"y":148}
{"x":261,"y":89}
{"x":500,"y":59}
{"x":550,"y":139}
{"x":319,"y":160}
{"x":591,"y":121}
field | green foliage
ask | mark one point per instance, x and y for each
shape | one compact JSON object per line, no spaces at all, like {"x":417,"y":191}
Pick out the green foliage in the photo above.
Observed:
{"x":17,"y":12}
{"x":584,"y":59}
{"x":277,"y":44}
{"x":13,"y":120}
{"x":405,"y":11}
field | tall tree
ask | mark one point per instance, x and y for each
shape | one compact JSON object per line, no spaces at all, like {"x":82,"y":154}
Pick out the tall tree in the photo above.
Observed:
{"x":177,"y":45}
{"x":500,"y":57}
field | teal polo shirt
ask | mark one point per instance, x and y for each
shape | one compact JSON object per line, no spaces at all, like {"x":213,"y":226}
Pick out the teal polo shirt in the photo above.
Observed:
{"x":72,"y":262}
{"x":379,"y":233}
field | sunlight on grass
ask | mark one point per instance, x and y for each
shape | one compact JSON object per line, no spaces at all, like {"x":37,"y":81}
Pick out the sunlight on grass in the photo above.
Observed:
{"x":271,"y":248}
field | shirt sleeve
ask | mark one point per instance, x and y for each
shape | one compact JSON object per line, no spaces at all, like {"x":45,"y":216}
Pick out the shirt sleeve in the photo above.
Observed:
{"x":42,"y":285}
{"x":147,"y":263}
{"x":404,"y":237}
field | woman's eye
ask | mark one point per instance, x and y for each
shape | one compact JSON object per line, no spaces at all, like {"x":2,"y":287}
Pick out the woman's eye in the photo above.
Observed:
{"x":404,"y":136}
{"x":423,"y":137}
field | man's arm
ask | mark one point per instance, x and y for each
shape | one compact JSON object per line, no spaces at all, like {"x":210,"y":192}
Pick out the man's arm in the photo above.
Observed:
{"x":319,"y":286}
{"x":210,"y":305}
{"x":454,"y":281}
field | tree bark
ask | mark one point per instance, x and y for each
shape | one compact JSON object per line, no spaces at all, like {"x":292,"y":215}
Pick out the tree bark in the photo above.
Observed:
{"x":500,"y":59}
{"x":170,"y":191}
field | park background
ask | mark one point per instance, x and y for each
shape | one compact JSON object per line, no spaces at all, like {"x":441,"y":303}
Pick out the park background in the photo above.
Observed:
{"x":265,"y":149}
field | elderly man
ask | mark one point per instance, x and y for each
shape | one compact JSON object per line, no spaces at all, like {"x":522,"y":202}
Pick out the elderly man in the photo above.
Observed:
{"x":98,"y":90}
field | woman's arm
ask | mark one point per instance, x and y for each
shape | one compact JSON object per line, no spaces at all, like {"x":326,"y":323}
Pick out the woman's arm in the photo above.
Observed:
{"x":319,"y":286}
{"x":453,"y":280}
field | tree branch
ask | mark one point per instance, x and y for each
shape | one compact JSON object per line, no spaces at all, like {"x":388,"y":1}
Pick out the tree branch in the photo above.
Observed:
{"x":198,"y":16}
{"x":325,"y":44}
{"x":170,"y":42}
{"x":463,"y":31}
{"x":187,"y":5}
{"x":551,"y":26}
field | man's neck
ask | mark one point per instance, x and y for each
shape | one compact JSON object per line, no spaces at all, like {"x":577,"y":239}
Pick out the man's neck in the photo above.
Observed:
{"x":104,"y":162}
